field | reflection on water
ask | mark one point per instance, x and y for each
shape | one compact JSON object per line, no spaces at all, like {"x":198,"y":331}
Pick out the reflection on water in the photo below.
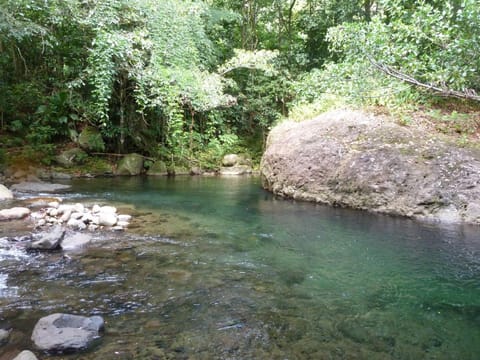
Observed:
{"x":219,"y":269}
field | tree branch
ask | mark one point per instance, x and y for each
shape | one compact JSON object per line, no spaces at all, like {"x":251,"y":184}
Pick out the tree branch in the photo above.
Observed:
{"x":469,"y":94}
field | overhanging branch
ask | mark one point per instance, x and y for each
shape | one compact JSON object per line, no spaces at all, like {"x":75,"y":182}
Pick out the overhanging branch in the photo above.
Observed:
{"x":469,"y":94}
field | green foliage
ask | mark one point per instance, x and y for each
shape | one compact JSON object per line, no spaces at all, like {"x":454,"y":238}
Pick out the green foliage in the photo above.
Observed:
{"x":434,"y":42}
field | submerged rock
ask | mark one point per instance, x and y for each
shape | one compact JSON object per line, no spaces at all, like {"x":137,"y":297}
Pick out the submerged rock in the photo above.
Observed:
{"x":39,"y":187}
{"x":66,"y":332}
{"x":362,"y":161}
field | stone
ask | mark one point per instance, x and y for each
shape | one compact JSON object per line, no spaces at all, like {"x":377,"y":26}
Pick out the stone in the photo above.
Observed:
{"x":180,"y":171}
{"x":5,"y":194}
{"x":123,"y":217}
{"x":39,"y":187}
{"x":25,"y":355}
{"x":123,"y":223}
{"x":65,"y":332}
{"x":4,"y":335}
{"x":79,"y":208}
{"x":65,"y":215}
{"x":76,"y":241}
{"x":52,"y":212}
{"x":76,"y":215}
{"x":14,"y":213}
{"x":108,"y":209}
{"x":76,"y":224}
{"x":91,"y":140}
{"x":54,"y":204}
{"x":64,"y":208}
{"x":107,"y":219}
{"x":236,"y":170}
{"x":55,"y":175}
{"x":96,"y":208}
{"x":131,"y":164}
{"x":49,"y":240}
{"x":364,"y":161}
{"x":71,"y":157}
{"x":195,"y":170}
{"x":158,"y":168}
{"x":230,"y":160}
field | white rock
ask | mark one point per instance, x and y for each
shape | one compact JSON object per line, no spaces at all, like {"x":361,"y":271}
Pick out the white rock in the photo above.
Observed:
{"x":52,"y":212}
{"x":14,"y":213}
{"x":87,"y":218}
{"x":118,"y":228}
{"x":66,"y":215}
{"x":76,"y":224}
{"x":92,"y":227}
{"x":76,"y":241}
{"x":79,"y":208}
{"x":95,"y":209}
{"x":107,"y":218}
{"x":76,"y":215}
{"x":108,"y":209}
{"x":41,"y":222}
{"x":124,"y":217}
{"x":50,"y":219}
{"x":62,"y":209}
{"x":96,"y":220}
{"x":123,"y":223}
{"x":37,"y":215}
{"x":5,"y":194}
{"x":54,"y":204}
{"x":25,"y":355}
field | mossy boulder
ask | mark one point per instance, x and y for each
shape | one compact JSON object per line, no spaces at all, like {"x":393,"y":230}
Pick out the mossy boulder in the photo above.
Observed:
{"x":158,"y":168}
{"x":91,"y":140}
{"x":131,"y":164}
{"x":71,"y":157}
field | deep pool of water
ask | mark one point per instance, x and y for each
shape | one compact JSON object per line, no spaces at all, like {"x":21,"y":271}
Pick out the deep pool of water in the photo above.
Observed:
{"x":217,"y":268}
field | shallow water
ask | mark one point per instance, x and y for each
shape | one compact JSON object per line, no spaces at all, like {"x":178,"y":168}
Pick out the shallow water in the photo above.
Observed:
{"x":216,"y":268}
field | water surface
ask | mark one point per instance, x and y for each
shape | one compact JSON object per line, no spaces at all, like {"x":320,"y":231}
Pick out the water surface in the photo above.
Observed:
{"x":216,"y":268}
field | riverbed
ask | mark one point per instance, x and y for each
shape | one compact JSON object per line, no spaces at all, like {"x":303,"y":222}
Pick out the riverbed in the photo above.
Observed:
{"x":217,"y":268}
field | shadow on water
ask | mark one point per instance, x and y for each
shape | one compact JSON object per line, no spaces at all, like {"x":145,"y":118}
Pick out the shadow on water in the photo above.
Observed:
{"x":217,"y":268}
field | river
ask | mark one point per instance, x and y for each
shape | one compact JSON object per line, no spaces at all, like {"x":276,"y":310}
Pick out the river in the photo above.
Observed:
{"x":217,"y":268}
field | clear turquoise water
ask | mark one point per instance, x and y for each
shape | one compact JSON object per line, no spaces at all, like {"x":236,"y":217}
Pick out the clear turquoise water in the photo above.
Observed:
{"x":217,"y":268}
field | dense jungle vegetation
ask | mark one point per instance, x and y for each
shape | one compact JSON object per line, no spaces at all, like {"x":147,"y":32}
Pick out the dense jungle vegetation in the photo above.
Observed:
{"x":187,"y":81}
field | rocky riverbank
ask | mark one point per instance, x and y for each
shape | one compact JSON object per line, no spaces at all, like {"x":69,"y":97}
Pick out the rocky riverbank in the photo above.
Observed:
{"x":359,"y":160}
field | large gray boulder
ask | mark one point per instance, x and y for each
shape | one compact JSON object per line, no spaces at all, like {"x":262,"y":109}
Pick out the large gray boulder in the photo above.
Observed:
{"x":14,"y":213}
{"x":65,"y":332}
{"x":131,"y":164}
{"x":5,"y":194}
{"x":39,"y":187}
{"x":353,"y":159}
